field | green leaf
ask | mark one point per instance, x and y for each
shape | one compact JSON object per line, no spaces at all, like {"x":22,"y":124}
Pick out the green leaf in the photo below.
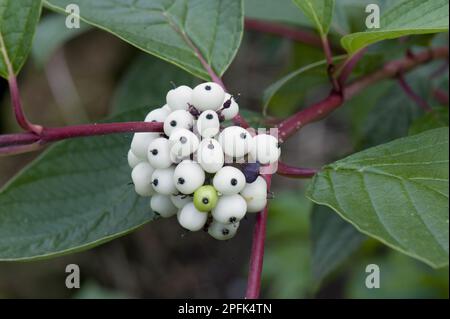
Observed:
{"x":277,"y":11}
{"x":396,"y":192}
{"x":406,"y":18}
{"x":52,"y":33}
{"x":438,"y":117}
{"x":333,"y":240}
{"x":316,"y":75}
{"x":146,"y":83}
{"x":320,"y":12}
{"x":75,"y":196}
{"x":18,"y":19}
{"x":172,"y":30}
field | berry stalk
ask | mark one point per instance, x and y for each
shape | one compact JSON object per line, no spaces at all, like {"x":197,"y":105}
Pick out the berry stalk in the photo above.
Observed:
{"x":295,"y":172}
{"x":257,"y":255}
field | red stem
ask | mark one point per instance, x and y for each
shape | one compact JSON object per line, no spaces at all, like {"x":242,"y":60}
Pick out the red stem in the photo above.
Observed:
{"x":330,"y":63}
{"x":441,"y":96}
{"x":321,"y":109}
{"x":295,"y":172}
{"x":17,"y":107}
{"x":257,"y":255}
{"x":284,"y":31}
{"x":411,"y":94}
{"x":349,"y":65}
{"x":53,"y":134}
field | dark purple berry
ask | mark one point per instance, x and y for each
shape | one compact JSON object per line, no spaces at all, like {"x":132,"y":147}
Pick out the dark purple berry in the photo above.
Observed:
{"x":251,"y":171}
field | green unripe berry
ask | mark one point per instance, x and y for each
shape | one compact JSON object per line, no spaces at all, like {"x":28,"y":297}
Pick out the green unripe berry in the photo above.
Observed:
{"x":205,"y":198}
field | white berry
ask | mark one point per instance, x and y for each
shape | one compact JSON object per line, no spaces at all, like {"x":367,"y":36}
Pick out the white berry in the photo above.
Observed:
{"x":178,"y":119}
{"x":140,"y":142}
{"x":159,"y":153}
{"x":142,"y":179}
{"x":163,"y":206}
{"x":207,"y":96}
{"x":229,"y":180}
{"x":210,"y":155}
{"x":162,"y":181}
{"x":188,"y":177}
{"x":183,"y":143}
{"x":235,"y":141}
{"x":255,"y":194}
{"x":265,"y":149}
{"x":133,"y":160}
{"x":232,"y":110}
{"x":157,"y":115}
{"x":208,"y":124}
{"x":230,"y":209}
{"x":179,"y":98}
{"x":180,"y":200}
{"x":190,"y":218}
{"x":221,"y":231}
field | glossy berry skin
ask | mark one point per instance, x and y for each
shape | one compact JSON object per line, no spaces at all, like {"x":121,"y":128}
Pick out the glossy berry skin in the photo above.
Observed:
{"x":235,"y":141}
{"x":221,"y":231}
{"x":208,"y":96}
{"x":208,"y":124}
{"x":182,"y":143}
{"x":180,"y":200}
{"x":157,"y":115}
{"x":190,"y":218}
{"x":265,"y":149}
{"x":230,"y":209}
{"x":140,"y":143}
{"x":255,"y":194}
{"x":229,"y":180}
{"x":205,"y":198}
{"x":142,"y":178}
{"x":178,"y":119}
{"x":250,"y":171}
{"x":229,"y":107}
{"x":188,"y":176}
{"x":210,"y":155}
{"x":179,"y":98}
{"x":162,"y":181}
{"x":133,"y":160}
{"x":163,"y":206}
{"x":158,"y":154}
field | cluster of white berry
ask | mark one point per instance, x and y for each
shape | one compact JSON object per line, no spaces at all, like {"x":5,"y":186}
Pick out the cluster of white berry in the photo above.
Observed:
{"x":205,"y":174}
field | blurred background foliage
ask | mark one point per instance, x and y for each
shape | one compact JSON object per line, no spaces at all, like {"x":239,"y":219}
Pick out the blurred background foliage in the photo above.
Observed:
{"x":85,"y":75}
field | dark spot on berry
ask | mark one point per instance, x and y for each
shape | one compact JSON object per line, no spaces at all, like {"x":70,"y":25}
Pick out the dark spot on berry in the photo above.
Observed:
{"x":225,"y":231}
{"x":155,"y":182}
{"x":173,"y":123}
{"x":211,"y":146}
{"x":208,"y":88}
{"x":156,"y":213}
{"x":278,"y":145}
{"x":154,"y":152}
{"x":181,"y":180}
{"x":154,"y":121}
{"x":233,"y":219}
{"x":234,"y":181}
{"x":243,"y":136}
{"x":205,"y":201}
{"x":183,"y":140}
{"x":209,"y":116}
{"x":227,"y":104}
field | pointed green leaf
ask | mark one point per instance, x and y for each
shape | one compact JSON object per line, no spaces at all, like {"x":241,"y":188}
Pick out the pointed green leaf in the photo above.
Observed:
{"x":320,"y":12}
{"x":18,"y":19}
{"x":406,"y":18}
{"x":396,"y":192}
{"x":333,"y":240}
{"x":173,"y":30}
{"x":76,"y":195}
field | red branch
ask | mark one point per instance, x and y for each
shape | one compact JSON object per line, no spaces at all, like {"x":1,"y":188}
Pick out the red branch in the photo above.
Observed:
{"x":321,"y":109}
{"x":17,"y":107}
{"x":441,"y":96}
{"x":284,"y":31}
{"x":52,"y":134}
{"x":295,"y":172}
{"x":257,"y":255}
{"x":411,"y":94}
